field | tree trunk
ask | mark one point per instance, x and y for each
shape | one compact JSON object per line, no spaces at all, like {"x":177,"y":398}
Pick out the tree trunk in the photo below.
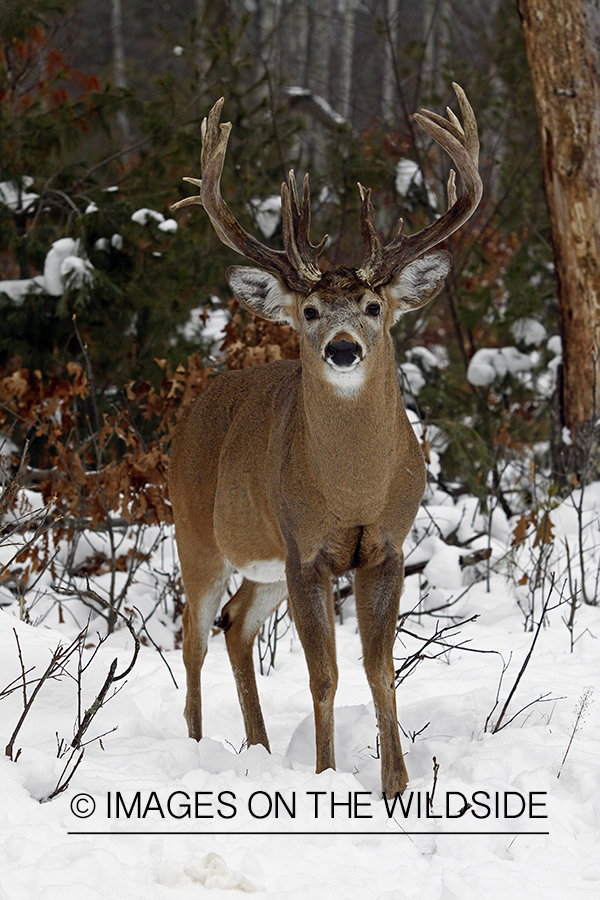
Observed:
{"x":347,"y":55}
{"x":389,"y":101}
{"x":116,"y":23}
{"x":563,"y":48}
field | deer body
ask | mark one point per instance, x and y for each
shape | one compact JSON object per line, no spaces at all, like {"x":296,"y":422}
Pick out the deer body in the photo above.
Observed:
{"x":295,"y":471}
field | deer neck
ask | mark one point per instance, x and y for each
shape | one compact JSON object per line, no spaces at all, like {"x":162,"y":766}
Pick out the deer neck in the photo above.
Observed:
{"x":352,"y":439}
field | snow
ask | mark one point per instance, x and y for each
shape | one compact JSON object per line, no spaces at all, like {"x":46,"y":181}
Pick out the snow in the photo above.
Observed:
{"x":104,"y":243}
{"x":267,"y":214}
{"x":321,"y":107}
{"x":210,"y":332}
{"x":215,"y":817}
{"x":214,"y":329}
{"x":566,"y":436}
{"x":16,"y":196}
{"x":17,"y":289}
{"x":429,"y":359}
{"x":329,"y":111}
{"x":529,"y":332}
{"x":142,"y":216}
{"x":169,"y":225}
{"x":409,"y":174}
{"x":76,"y":271}
{"x":489,"y":364}
{"x":420,"y":360}
{"x":554,"y":345}
{"x":411,"y":378}
{"x":64,"y":267}
{"x":297,"y":91}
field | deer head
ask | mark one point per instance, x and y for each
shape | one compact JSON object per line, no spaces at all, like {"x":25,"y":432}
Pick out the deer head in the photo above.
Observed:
{"x":402,"y":276}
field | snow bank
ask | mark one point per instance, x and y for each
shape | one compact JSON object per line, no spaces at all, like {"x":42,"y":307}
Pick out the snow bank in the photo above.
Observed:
{"x":216,"y":817}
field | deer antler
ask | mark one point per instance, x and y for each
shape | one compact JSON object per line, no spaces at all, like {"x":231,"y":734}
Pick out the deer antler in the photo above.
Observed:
{"x":461,"y":142}
{"x":297,"y":264}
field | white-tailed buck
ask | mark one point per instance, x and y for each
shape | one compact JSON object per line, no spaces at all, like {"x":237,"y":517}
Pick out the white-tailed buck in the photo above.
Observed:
{"x":299,"y":470}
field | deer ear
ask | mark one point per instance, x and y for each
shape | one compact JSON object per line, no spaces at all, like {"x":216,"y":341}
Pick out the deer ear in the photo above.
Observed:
{"x":417,"y":283}
{"x":262,"y":293}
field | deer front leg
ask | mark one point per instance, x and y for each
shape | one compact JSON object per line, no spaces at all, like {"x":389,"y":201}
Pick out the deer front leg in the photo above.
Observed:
{"x":378,"y":590}
{"x":311,"y":600}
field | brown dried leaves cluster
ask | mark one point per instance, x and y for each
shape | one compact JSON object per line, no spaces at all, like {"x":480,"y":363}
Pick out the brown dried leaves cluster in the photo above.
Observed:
{"x":95,"y":467}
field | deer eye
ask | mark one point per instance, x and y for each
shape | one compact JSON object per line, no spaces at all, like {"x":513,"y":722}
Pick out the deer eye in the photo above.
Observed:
{"x":310,"y":313}
{"x":373,"y":309}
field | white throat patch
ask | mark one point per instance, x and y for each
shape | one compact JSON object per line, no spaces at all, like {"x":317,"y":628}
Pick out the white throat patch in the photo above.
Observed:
{"x":347,"y":381}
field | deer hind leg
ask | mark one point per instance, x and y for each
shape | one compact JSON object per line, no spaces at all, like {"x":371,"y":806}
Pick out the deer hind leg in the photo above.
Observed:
{"x":241,"y":620}
{"x":378,"y":590}
{"x":205,"y":579}
{"x":311,"y":600}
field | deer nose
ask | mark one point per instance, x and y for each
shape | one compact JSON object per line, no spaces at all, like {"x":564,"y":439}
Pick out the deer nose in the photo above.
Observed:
{"x":342,"y":352}
{"x":343,"y":346}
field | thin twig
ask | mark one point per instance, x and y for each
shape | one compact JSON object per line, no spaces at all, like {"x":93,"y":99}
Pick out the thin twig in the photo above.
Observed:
{"x":57,"y":660}
{"x":155,"y":645}
{"x":436,"y":769}
{"x":584,"y":702}
{"x":527,"y":659}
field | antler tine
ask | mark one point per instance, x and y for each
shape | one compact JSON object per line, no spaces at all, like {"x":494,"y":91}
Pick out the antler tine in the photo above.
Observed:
{"x":297,"y":265}
{"x":451,"y":188}
{"x":310,"y":253}
{"x":295,"y":218}
{"x":470,"y":122}
{"x":304,"y":230}
{"x":293,"y":189}
{"x":368,"y":232}
{"x":461,"y":142}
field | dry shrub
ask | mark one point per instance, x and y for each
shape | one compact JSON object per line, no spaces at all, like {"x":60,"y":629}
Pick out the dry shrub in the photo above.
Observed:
{"x":254,"y":341}
{"x":96,"y":468}
{"x":101,"y":468}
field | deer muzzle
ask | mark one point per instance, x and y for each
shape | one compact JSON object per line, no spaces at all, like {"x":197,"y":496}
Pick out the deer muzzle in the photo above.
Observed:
{"x":343,"y":354}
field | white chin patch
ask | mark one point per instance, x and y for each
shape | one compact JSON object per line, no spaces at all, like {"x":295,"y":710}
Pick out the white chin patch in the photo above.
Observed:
{"x":348,"y":380}
{"x":265,"y":571}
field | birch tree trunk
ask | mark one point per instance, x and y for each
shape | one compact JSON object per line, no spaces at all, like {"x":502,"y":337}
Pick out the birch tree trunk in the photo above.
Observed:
{"x":563,"y":48}
{"x":116,"y":25}
{"x":389,"y":100}
{"x":347,"y":59}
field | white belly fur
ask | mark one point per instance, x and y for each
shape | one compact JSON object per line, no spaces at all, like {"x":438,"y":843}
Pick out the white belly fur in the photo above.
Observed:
{"x":264,"y":571}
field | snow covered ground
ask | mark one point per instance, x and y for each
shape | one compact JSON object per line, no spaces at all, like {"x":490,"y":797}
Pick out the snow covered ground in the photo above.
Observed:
{"x":151,"y":814}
